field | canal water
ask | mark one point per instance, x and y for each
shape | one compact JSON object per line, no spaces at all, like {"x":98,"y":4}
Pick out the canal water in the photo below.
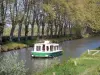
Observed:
{"x":73,"y":49}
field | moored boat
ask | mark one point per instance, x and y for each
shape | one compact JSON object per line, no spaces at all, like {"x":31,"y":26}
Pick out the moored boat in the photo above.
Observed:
{"x":46,"y":49}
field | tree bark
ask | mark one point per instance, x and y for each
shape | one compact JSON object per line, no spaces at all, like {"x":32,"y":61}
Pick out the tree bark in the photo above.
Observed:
{"x":32,"y":26}
{"x":12,"y":32}
{"x":3,"y":15}
{"x":47,"y":30}
{"x":1,"y":32}
{"x":32,"y":31}
{"x":19,"y":31}
{"x":51,"y":29}
{"x":26,"y":31}
{"x":70,"y":31}
{"x":56,"y":27}
{"x":43,"y":25}
{"x":38,"y":25}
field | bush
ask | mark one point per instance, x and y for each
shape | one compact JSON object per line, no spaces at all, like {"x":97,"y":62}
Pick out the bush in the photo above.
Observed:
{"x":9,"y":65}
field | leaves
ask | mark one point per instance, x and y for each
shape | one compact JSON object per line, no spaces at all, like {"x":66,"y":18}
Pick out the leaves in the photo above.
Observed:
{"x":9,"y":65}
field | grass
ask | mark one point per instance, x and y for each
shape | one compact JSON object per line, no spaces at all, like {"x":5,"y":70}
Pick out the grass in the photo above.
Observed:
{"x":7,"y":46}
{"x":98,"y":48}
{"x":16,"y":45}
{"x":64,"y":38}
{"x":85,"y":65}
{"x":8,"y":29}
{"x":30,"y":42}
{"x":12,"y":46}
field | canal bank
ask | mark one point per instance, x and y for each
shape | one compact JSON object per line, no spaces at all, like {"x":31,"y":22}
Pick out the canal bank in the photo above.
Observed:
{"x":72,"y":49}
{"x":86,"y":64}
{"x":9,"y":46}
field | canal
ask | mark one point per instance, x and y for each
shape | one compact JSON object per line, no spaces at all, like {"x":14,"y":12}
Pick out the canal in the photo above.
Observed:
{"x":73,"y":49}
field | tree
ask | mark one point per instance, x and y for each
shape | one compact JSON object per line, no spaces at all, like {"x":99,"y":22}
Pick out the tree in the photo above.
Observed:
{"x":14,"y":16}
{"x":3,"y":8}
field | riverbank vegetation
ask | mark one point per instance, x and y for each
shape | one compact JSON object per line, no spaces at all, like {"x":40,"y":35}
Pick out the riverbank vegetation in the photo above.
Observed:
{"x":8,"y":45}
{"x":12,"y":46}
{"x":9,"y":65}
{"x":48,"y":18}
{"x":87,"y":64}
{"x":15,"y":45}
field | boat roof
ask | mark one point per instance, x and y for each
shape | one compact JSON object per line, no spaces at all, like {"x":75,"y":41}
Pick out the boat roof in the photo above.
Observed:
{"x":46,"y":43}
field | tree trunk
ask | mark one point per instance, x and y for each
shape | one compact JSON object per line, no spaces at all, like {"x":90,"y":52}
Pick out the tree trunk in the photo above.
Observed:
{"x":2,"y":15}
{"x":1,"y":32}
{"x":65,"y":28}
{"x":32,"y":31}
{"x":56,"y":28}
{"x":32,"y":27}
{"x":59,"y":25}
{"x":26,"y":31}
{"x":59,"y":31}
{"x":48,"y":29}
{"x":43,"y":25}
{"x":0,"y":38}
{"x":12,"y":32}
{"x":51,"y":29}
{"x":70,"y":31}
{"x":38,"y":29}
{"x":19,"y":31}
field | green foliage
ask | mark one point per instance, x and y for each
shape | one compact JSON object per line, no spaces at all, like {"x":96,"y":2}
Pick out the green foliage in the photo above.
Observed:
{"x":86,"y":35}
{"x":55,"y":16}
{"x":85,"y":65}
{"x":98,"y":48}
{"x":30,"y":42}
{"x":49,"y":11}
{"x":82,"y":13}
{"x":12,"y":45}
{"x":9,"y":65}
{"x":85,"y":13}
{"x":77,"y":30}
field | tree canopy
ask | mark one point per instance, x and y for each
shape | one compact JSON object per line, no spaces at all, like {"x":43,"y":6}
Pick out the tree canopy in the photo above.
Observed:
{"x":52,"y":17}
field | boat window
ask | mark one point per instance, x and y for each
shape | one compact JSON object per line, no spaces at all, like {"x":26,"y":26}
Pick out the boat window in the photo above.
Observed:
{"x":51,"y":48}
{"x":55,"y":48}
{"x":38,"y":48}
{"x":47,"y":48}
{"x":43,"y":48}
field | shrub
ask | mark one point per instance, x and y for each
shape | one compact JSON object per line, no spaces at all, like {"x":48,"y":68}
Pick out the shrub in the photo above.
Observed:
{"x":9,"y":65}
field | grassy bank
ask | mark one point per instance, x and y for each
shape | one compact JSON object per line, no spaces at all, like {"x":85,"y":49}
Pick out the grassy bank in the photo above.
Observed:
{"x":8,"y":46}
{"x":87,"y":64}
{"x":12,"y":46}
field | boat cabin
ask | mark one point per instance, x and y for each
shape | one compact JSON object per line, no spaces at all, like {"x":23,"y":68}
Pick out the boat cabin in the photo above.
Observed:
{"x":46,"y":47}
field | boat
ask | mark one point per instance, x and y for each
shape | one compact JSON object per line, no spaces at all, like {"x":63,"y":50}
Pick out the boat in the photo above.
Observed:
{"x":46,"y":49}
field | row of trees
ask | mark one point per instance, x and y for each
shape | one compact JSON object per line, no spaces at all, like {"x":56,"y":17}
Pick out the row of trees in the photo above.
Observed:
{"x":52,"y":17}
